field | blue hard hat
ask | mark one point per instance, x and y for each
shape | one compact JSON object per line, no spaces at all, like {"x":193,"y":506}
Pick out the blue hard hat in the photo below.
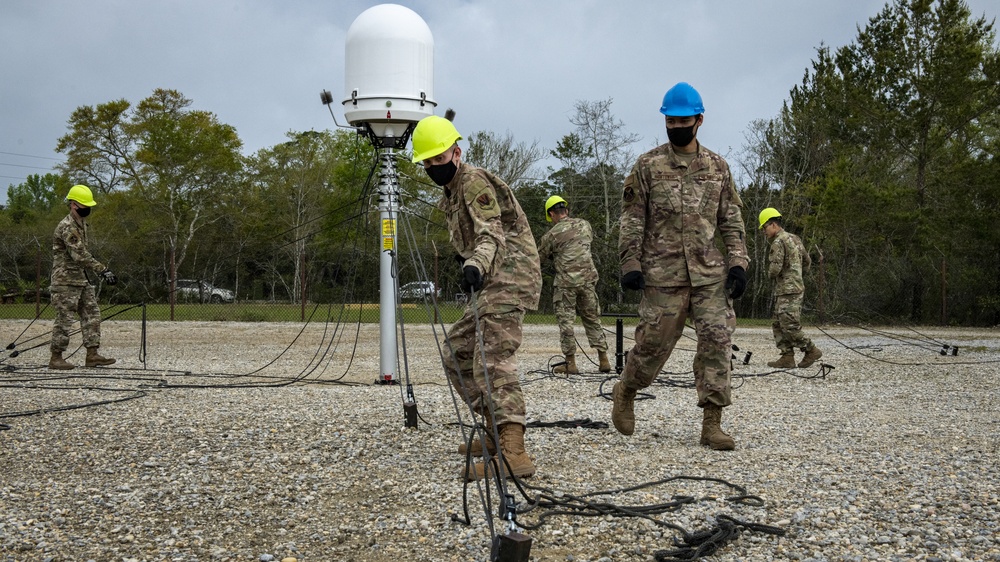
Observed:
{"x":682,"y":101}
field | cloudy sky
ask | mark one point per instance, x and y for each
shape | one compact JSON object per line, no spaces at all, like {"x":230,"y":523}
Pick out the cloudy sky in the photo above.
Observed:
{"x":515,"y":66}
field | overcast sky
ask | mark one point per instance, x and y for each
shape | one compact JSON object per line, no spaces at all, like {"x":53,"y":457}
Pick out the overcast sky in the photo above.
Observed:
{"x":515,"y":66}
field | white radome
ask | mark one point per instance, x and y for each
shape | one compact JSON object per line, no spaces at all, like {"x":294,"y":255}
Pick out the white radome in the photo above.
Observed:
{"x":389,"y":69}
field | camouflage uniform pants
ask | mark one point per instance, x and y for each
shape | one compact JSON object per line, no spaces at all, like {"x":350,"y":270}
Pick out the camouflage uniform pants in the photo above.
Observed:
{"x":567,"y":301}
{"x":662,"y":312}
{"x":495,"y":381}
{"x":68,"y":302}
{"x":786,"y":327}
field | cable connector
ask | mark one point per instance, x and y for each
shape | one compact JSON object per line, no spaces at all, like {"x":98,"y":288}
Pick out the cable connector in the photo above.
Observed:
{"x":410,"y":409}
{"x":512,"y":546}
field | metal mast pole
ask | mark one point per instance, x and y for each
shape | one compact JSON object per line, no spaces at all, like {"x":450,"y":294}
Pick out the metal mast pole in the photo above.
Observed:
{"x":388,"y":205}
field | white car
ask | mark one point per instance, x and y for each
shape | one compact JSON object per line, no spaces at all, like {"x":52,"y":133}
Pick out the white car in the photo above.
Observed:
{"x":202,"y":291}
{"x":418,"y":290}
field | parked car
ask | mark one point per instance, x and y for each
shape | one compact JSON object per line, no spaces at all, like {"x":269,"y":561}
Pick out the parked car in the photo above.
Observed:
{"x":202,"y":291}
{"x":418,"y":290}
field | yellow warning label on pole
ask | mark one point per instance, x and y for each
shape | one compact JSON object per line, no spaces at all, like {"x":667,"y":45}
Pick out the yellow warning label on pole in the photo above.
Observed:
{"x":387,"y":242}
{"x":388,"y":227}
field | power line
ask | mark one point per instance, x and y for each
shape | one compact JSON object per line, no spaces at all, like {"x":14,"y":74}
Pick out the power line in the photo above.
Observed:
{"x":25,"y":166}
{"x":31,"y":156}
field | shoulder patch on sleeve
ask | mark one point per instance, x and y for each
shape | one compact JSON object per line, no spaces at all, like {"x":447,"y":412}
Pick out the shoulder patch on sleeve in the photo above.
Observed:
{"x":480,"y":198}
{"x":628,"y":192}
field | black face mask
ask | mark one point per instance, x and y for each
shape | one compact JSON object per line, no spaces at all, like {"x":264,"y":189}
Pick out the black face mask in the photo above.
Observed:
{"x":680,"y":136}
{"x":442,"y":174}
{"x":83,"y":211}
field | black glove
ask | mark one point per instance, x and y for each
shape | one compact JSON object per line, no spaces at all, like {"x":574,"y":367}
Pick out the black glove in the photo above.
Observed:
{"x":736,"y":282}
{"x":633,"y":280}
{"x":109,"y":277}
{"x":472,"y":280}
{"x":460,"y":260}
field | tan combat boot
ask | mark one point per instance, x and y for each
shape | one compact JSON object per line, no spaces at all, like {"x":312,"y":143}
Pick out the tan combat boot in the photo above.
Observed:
{"x":569,"y":367}
{"x":512,"y":445}
{"x":623,"y":411}
{"x":477,"y":446}
{"x":787,"y":361}
{"x":812,"y":354}
{"x":711,"y":429}
{"x":605,"y":366}
{"x":57,"y":362}
{"x":94,"y":359}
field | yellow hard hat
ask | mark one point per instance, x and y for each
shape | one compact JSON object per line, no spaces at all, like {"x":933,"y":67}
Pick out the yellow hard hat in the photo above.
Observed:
{"x":552,"y":202}
{"x":432,"y":136}
{"x":82,"y":195}
{"x":766,"y":215}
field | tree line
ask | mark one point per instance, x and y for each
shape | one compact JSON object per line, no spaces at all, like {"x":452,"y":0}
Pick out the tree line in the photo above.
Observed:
{"x":883,"y":159}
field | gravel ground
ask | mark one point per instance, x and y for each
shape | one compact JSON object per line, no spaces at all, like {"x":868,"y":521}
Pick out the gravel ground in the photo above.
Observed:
{"x":892,"y":455}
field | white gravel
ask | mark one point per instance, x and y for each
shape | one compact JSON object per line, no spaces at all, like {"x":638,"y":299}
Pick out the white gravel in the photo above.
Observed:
{"x":893,"y":455}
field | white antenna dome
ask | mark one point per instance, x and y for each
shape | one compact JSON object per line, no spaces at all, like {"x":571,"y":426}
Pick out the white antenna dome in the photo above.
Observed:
{"x":389,"y":70}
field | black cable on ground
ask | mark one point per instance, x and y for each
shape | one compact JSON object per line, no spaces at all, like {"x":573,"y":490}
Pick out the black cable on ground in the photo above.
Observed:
{"x":545,"y":503}
{"x":560,"y":503}
{"x":17,"y":352}
{"x":13,"y":344}
{"x":136,"y":394}
{"x":585,"y":423}
{"x":709,"y":541}
{"x":899,"y":363}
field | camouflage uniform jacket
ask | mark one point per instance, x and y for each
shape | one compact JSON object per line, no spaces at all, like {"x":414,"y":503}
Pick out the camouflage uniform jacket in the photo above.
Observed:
{"x":70,"y":257}
{"x":671,"y":212}
{"x":488,"y":228}
{"x":567,"y":244}
{"x":787,"y":259}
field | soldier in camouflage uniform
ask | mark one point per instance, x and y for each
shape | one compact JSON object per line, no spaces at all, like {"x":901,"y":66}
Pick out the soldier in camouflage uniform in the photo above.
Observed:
{"x":786,"y":262}
{"x":500,"y":266}
{"x":675,"y":201}
{"x":567,"y":244}
{"x":72,"y":293}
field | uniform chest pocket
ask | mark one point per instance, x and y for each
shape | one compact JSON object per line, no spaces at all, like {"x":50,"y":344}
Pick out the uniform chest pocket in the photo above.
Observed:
{"x":708,"y":189}
{"x":664,"y":192}
{"x":460,"y":237}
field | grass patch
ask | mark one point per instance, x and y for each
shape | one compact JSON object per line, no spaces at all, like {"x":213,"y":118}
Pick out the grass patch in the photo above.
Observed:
{"x":248,"y":312}
{"x":366,"y":313}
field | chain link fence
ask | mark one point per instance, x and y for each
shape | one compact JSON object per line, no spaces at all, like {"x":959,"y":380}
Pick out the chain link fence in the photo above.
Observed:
{"x":324,"y":282}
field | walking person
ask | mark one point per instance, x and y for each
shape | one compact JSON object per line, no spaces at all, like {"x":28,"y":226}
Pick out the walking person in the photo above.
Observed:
{"x":500,"y":265}
{"x":676,"y":199}
{"x":574,"y":289}
{"x":786,"y":261}
{"x":72,"y":293}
